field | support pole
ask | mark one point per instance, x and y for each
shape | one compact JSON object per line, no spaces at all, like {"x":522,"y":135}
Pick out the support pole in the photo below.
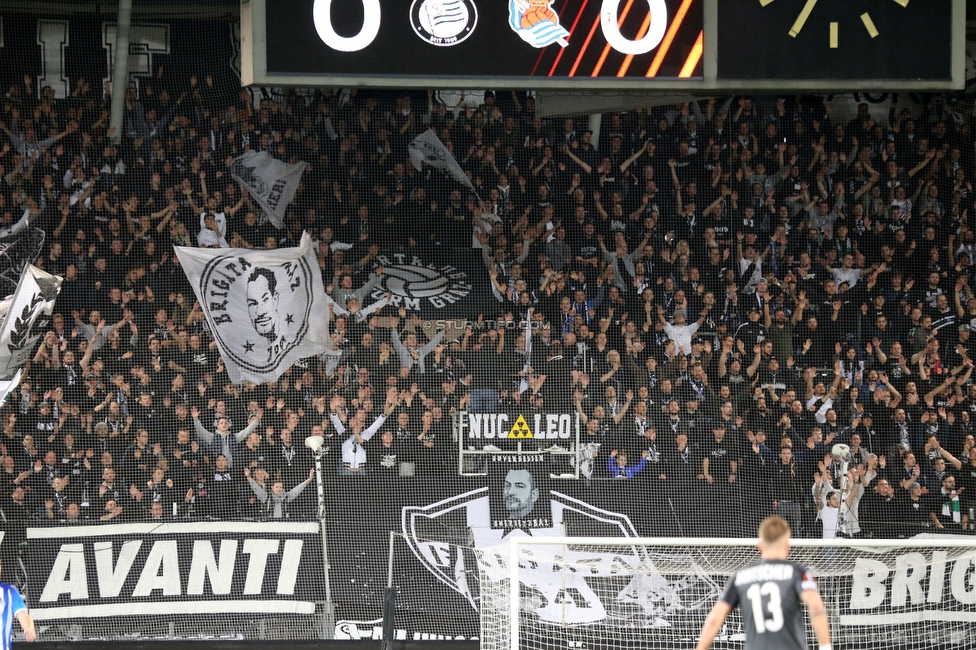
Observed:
{"x":389,"y":599}
{"x":389,"y":618}
{"x":120,"y":73}
{"x":389,"y":561}
{"x":329,"y":608}
{"x":595,"y":122}
{"x":844,"y":466}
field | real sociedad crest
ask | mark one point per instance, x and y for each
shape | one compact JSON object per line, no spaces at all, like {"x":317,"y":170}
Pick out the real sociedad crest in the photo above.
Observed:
{"x":536,"y":23}
{"x":443,"y":22}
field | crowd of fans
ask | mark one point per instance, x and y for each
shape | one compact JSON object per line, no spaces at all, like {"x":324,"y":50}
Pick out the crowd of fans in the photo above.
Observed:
{"x":721,"y":291}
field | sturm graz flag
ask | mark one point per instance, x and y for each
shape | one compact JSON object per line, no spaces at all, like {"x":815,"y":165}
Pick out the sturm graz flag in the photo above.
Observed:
{"x":440,"y":284}
{"x":428,"y":148}
{"x":266,"y":309}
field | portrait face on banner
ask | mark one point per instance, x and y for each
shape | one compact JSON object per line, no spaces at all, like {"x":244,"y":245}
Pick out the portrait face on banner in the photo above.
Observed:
{"x":276,"y":306}
{"x":266,"y":309}
{"x":518,"y":489}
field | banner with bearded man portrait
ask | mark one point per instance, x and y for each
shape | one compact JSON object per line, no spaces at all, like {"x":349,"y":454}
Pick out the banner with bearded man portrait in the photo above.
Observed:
{"x":266,"y":309}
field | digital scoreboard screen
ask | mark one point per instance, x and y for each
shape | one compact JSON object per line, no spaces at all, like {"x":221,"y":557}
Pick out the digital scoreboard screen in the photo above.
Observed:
{"x":606,"y":39}
{"x":650,"y":46}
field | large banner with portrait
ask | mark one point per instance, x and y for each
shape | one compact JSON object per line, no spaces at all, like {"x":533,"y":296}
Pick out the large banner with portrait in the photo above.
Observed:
{"x":518,"y":491}
{"x":266,"y":309}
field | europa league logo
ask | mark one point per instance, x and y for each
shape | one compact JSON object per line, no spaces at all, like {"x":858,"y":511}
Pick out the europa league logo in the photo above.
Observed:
{"x":443,"y":22}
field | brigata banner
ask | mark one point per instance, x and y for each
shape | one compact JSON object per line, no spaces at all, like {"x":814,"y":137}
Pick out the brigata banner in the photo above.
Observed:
{"x":266,"y":308}
{"x":911,"y":586}
{"x":148,"y":569}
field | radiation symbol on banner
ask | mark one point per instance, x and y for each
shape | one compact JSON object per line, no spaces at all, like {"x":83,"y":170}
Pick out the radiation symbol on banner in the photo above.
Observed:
{"x":520,"y":429}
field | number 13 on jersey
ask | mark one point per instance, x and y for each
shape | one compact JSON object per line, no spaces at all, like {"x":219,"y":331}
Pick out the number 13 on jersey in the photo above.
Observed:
{"x":760,"y":607}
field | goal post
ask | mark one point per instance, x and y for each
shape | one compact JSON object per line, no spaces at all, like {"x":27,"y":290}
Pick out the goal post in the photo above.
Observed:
{"x":572,"y":593}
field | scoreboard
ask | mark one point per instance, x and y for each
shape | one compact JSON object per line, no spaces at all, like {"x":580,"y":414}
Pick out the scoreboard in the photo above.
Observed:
{"x":898,"y":40}
{"x":650,"y":45}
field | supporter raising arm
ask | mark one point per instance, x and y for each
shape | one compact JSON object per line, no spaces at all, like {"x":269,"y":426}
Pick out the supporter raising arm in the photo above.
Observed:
{"x":95,"y":331}
{"x":223,"y":442}
{"x":276,"y":502}
{"x":618,"y":468}
{"x":342,"y":291}
{"x":354,"y":455}
{"x":25,"y":219}
{"x":27,"y":145}
{"x":409,"y":351}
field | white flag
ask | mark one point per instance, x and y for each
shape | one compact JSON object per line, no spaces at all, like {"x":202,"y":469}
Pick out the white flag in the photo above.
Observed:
{"x":428,"y":148}
{"x":266,"y":309}
{"x":8,"y":386}
{"x":269,"y":181}
{"x":27,"y":318}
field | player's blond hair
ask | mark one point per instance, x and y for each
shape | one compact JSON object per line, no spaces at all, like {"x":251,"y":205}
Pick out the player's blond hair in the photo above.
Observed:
{"x":773,"y":530}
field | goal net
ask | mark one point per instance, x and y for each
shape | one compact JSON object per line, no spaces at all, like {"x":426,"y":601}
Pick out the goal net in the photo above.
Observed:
{"x":577,"y":593}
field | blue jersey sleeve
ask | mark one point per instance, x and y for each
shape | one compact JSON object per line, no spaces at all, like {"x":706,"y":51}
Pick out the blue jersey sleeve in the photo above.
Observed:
{"x":14,"y":598}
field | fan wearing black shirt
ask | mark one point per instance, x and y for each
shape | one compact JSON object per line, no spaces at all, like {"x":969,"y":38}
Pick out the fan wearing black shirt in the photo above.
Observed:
{"x":719,"y":467}
{"x":197,"y":358}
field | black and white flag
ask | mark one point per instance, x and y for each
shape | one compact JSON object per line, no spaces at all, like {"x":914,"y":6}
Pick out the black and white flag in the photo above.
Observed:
{"x":428,"y":148}
{"x":27,"y":317}
{"x":8,"y":386}
{"x":270,"y":182}
{"x":266,"y":309}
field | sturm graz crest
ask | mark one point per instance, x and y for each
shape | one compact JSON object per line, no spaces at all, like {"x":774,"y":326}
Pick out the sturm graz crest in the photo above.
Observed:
{"x":443,"y":22}
{"x":626,"y":586}
{"x":414,"y":281}
{"x":260,"y":313}
{"x":416,"y":284}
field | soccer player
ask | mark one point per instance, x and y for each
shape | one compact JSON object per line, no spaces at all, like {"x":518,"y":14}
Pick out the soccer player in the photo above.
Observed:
{"x":12,"y":606}
{"x":770,"y":592}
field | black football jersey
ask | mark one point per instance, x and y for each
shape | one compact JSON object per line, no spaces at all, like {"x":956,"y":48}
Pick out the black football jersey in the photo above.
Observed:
{"x":768,"y":592}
